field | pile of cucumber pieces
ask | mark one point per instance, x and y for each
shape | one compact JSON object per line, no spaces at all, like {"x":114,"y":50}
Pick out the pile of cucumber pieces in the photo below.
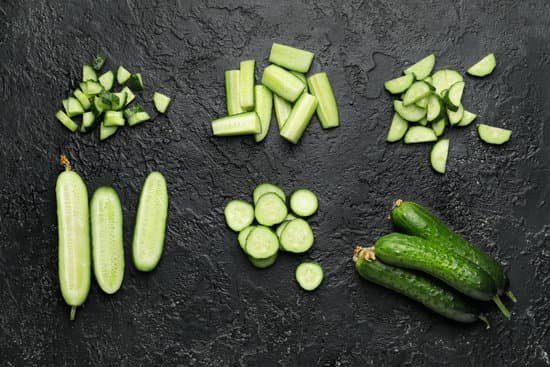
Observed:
{"x":436,"y":99}
{"x":276,"y":229}
{"x":95,"y":98}
{"x":284,"y":86}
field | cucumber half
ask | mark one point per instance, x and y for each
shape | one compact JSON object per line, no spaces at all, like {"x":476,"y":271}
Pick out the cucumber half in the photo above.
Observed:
{"x":422,"y":68}
{"x":400,"y":84}
{"x":419,"y":134}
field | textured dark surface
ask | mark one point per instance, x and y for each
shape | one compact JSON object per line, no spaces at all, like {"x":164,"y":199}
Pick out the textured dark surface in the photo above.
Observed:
{"x":205,"y":305}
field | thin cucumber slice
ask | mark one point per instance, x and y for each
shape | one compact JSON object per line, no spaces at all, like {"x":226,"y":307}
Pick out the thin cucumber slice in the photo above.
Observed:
{"x":398,"y":128}
{"x":130,"y":96}
{"x":454,"y":95}
{"x":419,"y":134}
{"x":233,"y":92}
{"x":467,"y":118}
{"x":282,"y":83}
{"x":266,"y":187}
{"x":243,"y":235}
{"x":107,"y":239}
{"x":83,"y":99}
{"x":88,"y":73}
{"x":151,"y":219}
{"x":113,"y":118}
{"x":122,"y":75}
{"x":455,"y":116}
{"x":262,"y":243}
{"x":439,"y":154}
{"x":91,"y":88}
{"x":107,"y":80}
{"x":270,"y":209}
{"x":439,"y":126}
{"x":493,"y":135}
{"x":88,"y":119}
{"x":74,"y":237}
{"x":434,"y":108}
{"x":106,"y":131}
{"x":282,"y":110}
{"x":484,"y":66}
{"x":138,"y":118}
{"x":238,"y":215}
{"x":264,"y":110}
{"x":297,"y":236}
{"x":66,"y":121}
{"x":422,"y":68}
{"x":327,"y":109}
{"x":290,"y":57}
{"x":416,"y":92}
{"x":303,"y":203}
{"x":136,"y":81}
{"x":399,"y":85}
{"x":72,"y":107}
{"x":246,"y":84}
{"x":411,"y":113}
{"x":263,"y":263}
{"x":242,"y":124}
{"x":161,"y":102}
{"x":309,"y":275}
{"x":299,"y":118}
{"x":99,"y":61}
{"x":444,"y":79}
{"x":280,"y":228}
{"x":422,"y":103}
{"x":423,"y":122}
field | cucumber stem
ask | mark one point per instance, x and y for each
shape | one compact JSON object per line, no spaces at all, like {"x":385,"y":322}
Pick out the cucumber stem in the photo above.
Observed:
{"x":73,"y":313}
{"x":65,"y":162}
{"x":397,"y":203}
{"x":501,"y":307}
{"x":511,"y":295}
{"x":485,"y":321}
{"x":366,"y":253}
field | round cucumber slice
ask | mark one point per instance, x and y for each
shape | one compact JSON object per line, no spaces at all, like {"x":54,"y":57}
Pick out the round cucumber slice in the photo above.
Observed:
{"x":238,"y":214}
{"x":266,"y":187}
{"x":243,"y":235}
{"x":297,"y":236}
{"x":263,"y":263}
{"x":270,"y":209}
{"x":304,"y":203}
{"x":439,"y":154}
{"x":309,"y":275}
{"x":262,"y":243}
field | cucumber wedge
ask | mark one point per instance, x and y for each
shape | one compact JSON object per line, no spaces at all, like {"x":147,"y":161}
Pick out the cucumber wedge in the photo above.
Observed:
{"x":83,"y":99}
{"x":107,"y":80}
{"x":439,"y":154}
{"x":399,"y":85}
{"x":309,"y":275}
{"x":161,"y":102}
{"x":398,"y":128}
{"x":242,"y":124}
{"x":444,"y":79}
{"x":422,"y":103}
{"x":88,"y":119}
{"x":483,"y":67}
{"x":72,"y":107}
{"x":467,"y":118}
{"x":493,"y":135}
{"x":264,"y":109}
{"x":122,"y":75}
{"x":416,"y":92}
{"x":409,"y":113}
{"x":422,"y":68}
{"x":106,"y":131}
{"x":419,"y":134}
{"x":455,"y":116}
{"x":88,"y":73}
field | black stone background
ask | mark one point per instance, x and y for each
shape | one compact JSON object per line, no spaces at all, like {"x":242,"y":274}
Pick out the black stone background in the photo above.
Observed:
{"x":205,"y":305}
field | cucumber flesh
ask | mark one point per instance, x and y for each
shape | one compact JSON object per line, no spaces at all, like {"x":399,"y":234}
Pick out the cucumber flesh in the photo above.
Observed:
{"x":232,"y":92}
{"x":106,"y":131}
{"x":454,"y":96}
{"x":433,"y":110}
{"x":73,"y":107}
{"x":280,"y":228}
{"x":138,"y":118}
{"x":88,"y":119}
{"x":263,"y":263}
{"x":439,"y":154}
{"x":416,"y":92}
{"x":243,"y":235}
{"x":422,"y":68}
{"x":483,"y":67}
{"x":266,"y":187}
{"x":439,"y":126}
{"x":297,"y":237}
{"x":122,"y":97}
{"x":409,"y":113}
{"x":262,"y":243}
{"x":66,"y":121}
{"x":83,"y":99}
{"x":264,"y":110}
{"x":302,"y":78}
{"x":91,"y":88}
{"x":455,"y":116}
{"x":130,"y":96}
{"x":283,"y":83}
{"x":444,"y":79}
{"x":422,"y":103}
{"x":400,"y":84}
{"x":242,"y":124}
{"x":107,"y":80}
{"x":135,"y":81}
{"x":398,"y":128}
{"x":493,"y":135}
{"x":246,"y":84}
{"x":423,"y":122}
{"x":327,"y":109}
{"x":419,"y":134}
{"x":113,"y":118}
{"x":290,"y":57}
{"x":467,"y":118}
{"x":309,"y":275}
{"x":161,"y":102}
{"x":151,"y":219}
{"x":303,"y":203}
{"x":270,"y":209}
{"x":88,"y":73}
{"x":299,"y":118}
{"x":122,"y":75}
{"x":282,"y":110}
{"x":238,"y":215}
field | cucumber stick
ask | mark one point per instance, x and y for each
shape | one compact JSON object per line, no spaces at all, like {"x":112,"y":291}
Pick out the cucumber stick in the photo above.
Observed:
{"x":484,"y":66}
{"x":290,"y":57}
{"x":264,"y":109}
{"x":242,"y":124}
{"x":246,"y":84}
{"x":299,"y":118}
{"x":283,"y":83}
{"x":107,"y":239}
{"x":282,"y":110}
{"x":327,"y":109}
{"x":232,"y":92}
{"x":74,"y":237}
{"x":151,"y":219}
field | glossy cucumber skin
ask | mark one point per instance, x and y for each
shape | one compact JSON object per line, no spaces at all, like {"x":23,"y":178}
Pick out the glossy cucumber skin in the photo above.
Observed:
{"x":416,"y":220}
{"x":417,"y":253}
{"x":432,"y":294}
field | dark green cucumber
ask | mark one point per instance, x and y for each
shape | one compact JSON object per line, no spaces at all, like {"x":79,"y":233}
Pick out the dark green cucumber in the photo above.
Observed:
{"x":431,"y":293}
{"x":417,"y":253}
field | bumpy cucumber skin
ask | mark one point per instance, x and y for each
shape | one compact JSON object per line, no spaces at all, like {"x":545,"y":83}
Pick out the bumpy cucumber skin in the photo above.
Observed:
{"x":416,"y":220}
{"x":435,"y":296}
{"x":416,"y":253}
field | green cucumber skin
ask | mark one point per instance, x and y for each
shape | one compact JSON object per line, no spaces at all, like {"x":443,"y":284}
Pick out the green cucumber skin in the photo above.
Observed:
{"x":416,"y":253}
{"x":416,"y":220}
{"x":431,"y":294}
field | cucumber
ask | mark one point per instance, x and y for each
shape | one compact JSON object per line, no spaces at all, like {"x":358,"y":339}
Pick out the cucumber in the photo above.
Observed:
{"x":455,"y":116}
{"x":88,"y":73}
{"x":113,"y":118}
{"x":262,"y":243}
{"x":454,"y":96}
{"x":99,"y":61}
{"x":106,"y":131}
{"x":423,"y":122}
{"x":280,"y":228}
{"x":246,"y":84}
{"x":107,"y":239}
{"x":88,"y":119}
{"x":309,"y":275}
{"x":265,"y":188}
{"x":161,"y":102}
{"x":398,"y":128}
{"x":483,"y":67}
{"x":419,"y":134}
{"x":423,"y":255}
{"x":439,"y":126}
{"x":439,"y":154}
{"x":122,"y":97}
{"x":416,"y":92}
{"x":283,"y":83}
{"x":411,"y":113}
{"x":270,"y":209}
{"x":66,"y":121}
{"x":434,"y":108}
{"x":138,"y":118}
{"x":299,"y":118}
{"x":264,"y":110}
{"x":302,"y":78}
{"x":422,"y":68}
{"x":428,"y":80}
{"x":151,"y":219}
{"x":74,"y":237}
{"x":263,"y":263}
{"x":493,"y":135}
{"x":282,"y":110}
{"x":122,"y":75}
{"x":242,"y":124}
{"x":327,"y":109}
{"x":297,"y":236}
{"x":431,"y":293}
{"x":303,"y":203}
{"x":467,"y":118}
{"x":243,"y":235}
{"x":400,"y":84}
{"x":423,"y":103}
{"x":91,"y":88}
{"x":83,"y":99}
{"x":135,"y":81}
{"x":290,"y":57}
{"x":130,"y":96}
{"x":72,"y":107}
{"x":107,"y":80}
{"x":238,"y":215}
{"x":444,"y":79}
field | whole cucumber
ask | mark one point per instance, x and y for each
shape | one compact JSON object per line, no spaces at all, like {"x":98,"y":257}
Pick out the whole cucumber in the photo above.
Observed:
{"x":431,"y":293}
{"x":416,"y":253}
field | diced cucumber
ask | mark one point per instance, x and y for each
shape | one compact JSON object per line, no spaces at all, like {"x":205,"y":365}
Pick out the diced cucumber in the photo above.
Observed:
{"x":434,"y":108}
{"x":423,"y":122}
{"x":262,"y":243}
{"x":264,"y":109}
{"x":238,"y":214}
{"x":161,"y":102}
{"x":467,"y":118}
{"x":399,"y":85}
{"x":138,"y":118}
{"x":455,"y":116}
{"x":107,"y":80}
{"x":136,"y":81}
{"x":303,"y":202}
{"x":110,"y":100}
{"x":122,"y":75}
{"x":132,"y":111}
{"x":243,"y":234}
{"x":454,"y":95}
{"x":299,"y":118}
{"x":264,"y":188}
{"x":91,"y":88}
{"x":290,"y":57}
{"x":422,"y":68}
{"x":439,"y":126}
{"x":106,"y":131}
{"x":73,"y":107}
{"x":438,"y":155}
{"x":233,"y":92}
{"x":419,"y":134}
{"x":83,"y":99}
{"x":282,"y":83}
{"x":263,"y":263}
{"x":113,"y":118}
{"x":246,"y":84}
{"x":242,"y":124}
{"x":66,"y":121}
{"x":130,"y":96}
{"x":88,"y":73}
{"x":309,"y":275}
{"x":423,"y":103}
{"x":121,"y":97}
{"x":398,"y":128}
{"x":483,"y":67}
{"x":99,"y":105}
{"x":493,"y":135}
{"x":411,"y":113}
{"x":444,"y":79}
{"x":270,"y":209}
{"x":327,"y":109}
{"x":297,"y":237}
{"x":282,"y":110}
{"x":88,"y":119}
{"x":416,"y":92}
{"x":99,"y":61}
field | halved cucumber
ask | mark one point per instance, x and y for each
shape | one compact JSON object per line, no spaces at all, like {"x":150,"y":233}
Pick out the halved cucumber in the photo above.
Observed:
{"x":297,"y":237}
{"x":243,"y":235}
{"x":422,"y":68}
{"x":238,"y":214}
{"x":439,"y":154}
{"x":410,"y":113}
{"x":493,"y":135}
{"x":419,"y":134}
{"x":444,"y":79}
{"x":265,"y":188}
{"x":416,"y":92}
{"x":399,"y":85}
{"x":454,"y":96}
{"x":439,"y":126}
{"x":455,"y":116}
{"x":398,"y":128}
{"x":264,"y":109}
{"x":263,"y":263}
{"x":270,"y":209}
{"x":303,"y":202}
{"x":262,"y":243}
{"x":434,"y":108}
{"x":309,"y":275}
{"x":467,"y":118}
{"x":484,"y":66}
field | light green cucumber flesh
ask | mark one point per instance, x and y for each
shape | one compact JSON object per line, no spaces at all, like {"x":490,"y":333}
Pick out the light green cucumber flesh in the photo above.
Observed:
{"x":283,"y":83}
{"x":422,"y":68}
{"x":266,"y":187}
{"x":299,"y":118}
{"x":419,"y":134}
{"x":309,"y":275}
{"x":483,"y":67}
{"x":439,"y":154}
{"x":243,"y":124}
{"x":327,"y":109}
{"x":238,"y":214}
{"x":400,"y":84}
{"x":290,"y":57}
{"x":246,"y":84}
{"x":493,"y":135}
{"x":397,"y":129}
{"x":264,"y":109}
{"x":233,"y":92}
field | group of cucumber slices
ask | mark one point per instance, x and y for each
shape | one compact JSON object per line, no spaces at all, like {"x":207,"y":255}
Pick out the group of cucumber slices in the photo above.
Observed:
{"x":453,"y":267}
{"x":96,"y":97}
{"x":276,"y":229}
{"x":436,"y":99}
{"x":102,"y":222}
{"x":285,"y":86}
